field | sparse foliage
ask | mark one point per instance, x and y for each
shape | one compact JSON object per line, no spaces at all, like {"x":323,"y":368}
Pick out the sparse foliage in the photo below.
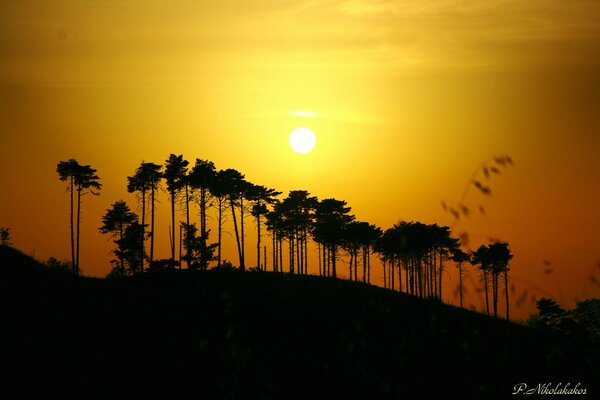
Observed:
{"x":175,"y":176}
{"x":146,"y":181}
{"x":81,"y":179}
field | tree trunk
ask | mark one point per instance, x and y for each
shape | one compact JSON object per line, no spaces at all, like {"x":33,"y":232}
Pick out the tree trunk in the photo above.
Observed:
{"x":143,"y":230}
{"x":495,"y":292}
{"x":326,"y":260}
{"x":291,"y":253}
{"x":237,"y":234}
{"x":152,"y":224}
{"x":355,"y":264}
{"x":421,"y":280}
{"x":368,"y":265}
{"x":385,"y":285}
{"x":428,"y":275}
{"x":243,"y":253}
{"x":187,"y":225}
{"x":399,"y":276}
{"x":392,"y":273}
{"x":319,"y":258}
{"x":485,"y":283}
{"x":305,"y":250}
{"x":407,"y":266}
{"x":220,"y":217}
{"x":121,"y":260}
{"x":412,"y":276}
{"x":203,"y":237}
{"x":173,"y":227}
{"x":460,"y":288}
{"x":351,"y":262}
{"x":258,"y":242}
{"x":506,"y":291}
{"x":298,"y":252}
{"x":78,"y":225}
{"x":324,"y":255}
{"x":333,"y":267}
{"x":73,"y":266}
{"x":280,"y":253}
{"x":180,"y":244}
{"x":364,"y":265}
{"x":441,"y":271}
{"x":274,"y":244}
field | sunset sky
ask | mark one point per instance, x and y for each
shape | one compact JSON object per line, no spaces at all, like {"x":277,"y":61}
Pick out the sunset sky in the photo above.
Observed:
{"x":409,"y":97}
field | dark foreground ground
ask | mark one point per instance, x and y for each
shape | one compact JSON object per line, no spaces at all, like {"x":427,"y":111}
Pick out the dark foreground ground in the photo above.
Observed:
{"x":227,"y":334}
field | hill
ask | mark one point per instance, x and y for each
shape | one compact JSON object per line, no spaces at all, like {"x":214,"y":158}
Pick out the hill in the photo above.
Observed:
{"x":228,"y":334}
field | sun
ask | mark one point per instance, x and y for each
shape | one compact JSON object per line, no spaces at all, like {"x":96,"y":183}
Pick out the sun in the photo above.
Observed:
{"x":302,"y":140}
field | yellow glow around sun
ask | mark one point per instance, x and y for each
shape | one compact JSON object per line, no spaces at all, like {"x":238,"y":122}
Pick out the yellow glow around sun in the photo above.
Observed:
{"x":303,"y":113}
{"x":302,"y":140}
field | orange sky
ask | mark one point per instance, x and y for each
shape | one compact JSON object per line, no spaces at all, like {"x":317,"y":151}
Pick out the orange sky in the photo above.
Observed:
{"x":411,"y":96}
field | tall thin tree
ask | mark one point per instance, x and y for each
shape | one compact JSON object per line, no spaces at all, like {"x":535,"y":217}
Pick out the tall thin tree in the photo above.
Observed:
{"x":145,"y":181}
{"x":86,"y":181}
{"x":81,"y":179}
{"x":460,"y":257}
{"x":261,"y":197}
{"x":151,"y":174}
{"x":220,"y":191}
{"x":233,"y":182}
{"x":67,"y":171}
{"x":201,"y":179}
{"x":175,"y":173}
{"x":481,"y":257}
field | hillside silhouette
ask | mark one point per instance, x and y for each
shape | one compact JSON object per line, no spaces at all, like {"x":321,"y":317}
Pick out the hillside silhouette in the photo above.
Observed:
{"x":224,"y":333}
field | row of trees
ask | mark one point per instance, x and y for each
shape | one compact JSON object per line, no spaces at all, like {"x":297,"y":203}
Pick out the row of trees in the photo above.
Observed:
{"x":413,"y":254}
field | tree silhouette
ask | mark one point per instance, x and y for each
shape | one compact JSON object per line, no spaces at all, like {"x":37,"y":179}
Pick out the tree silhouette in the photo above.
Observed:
{"x":286,"y":211}
{"x":81,"y":179}
{"x":201,"y":179}
{"x":219,"y":190}
{"x":115,"y":221}
{"x":548,"y":307}
{"x":420,"y":250}
{"x":86,"y":181}
{"x":198,"y":253}
{"x":295,"y":222}
{"x":331,"y":218}
{"x":175,"y":173}
{"x":67,"y":170}
{"x":460,"y":257}
{"x":188,"y":193}
{"x":481,"y":257}
{"x":388,"y":247}
{"x":275,"y":226}
{"x":368,"y":234}
{"x":493,"y":261}
{"x":146,"y":180}
{"x":234,"y":185}
{"x":150,"y":174}
{"x":129,"y":248}
{"x":499,"y":256}
{"x":414,"y":252}
{"x":351,"y":244}
{"x":261,"y":197}
{"x":245,"y":188}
